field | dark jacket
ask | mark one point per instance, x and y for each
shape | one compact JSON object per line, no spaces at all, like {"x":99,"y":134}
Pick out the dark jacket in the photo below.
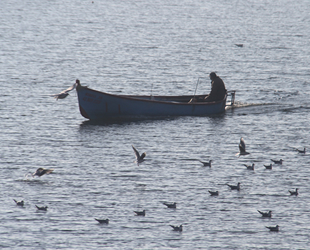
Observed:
{"x":218,"y":90}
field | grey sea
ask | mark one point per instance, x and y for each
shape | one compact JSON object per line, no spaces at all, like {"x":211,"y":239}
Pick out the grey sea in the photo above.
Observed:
{"x":159,"y":47}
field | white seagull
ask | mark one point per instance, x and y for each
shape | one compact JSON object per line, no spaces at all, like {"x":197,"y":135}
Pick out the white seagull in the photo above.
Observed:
{"x":42,"y":171}
{"x":232,"y":187}
{"x":301,"y":151}
{"x":140,"y":158}
{"x":206,"y":164}
{"x":242,"y":148}
{"x":19,"y":203}
{"x":249,"y":167}
{"x":294,"y":192}
{"x":274,"y":229}
{"x":268,"y":166}
{"x":278,"y":161}
{"x":64,"y":94}
{"x":42,"y":208}
{"x":103,"y":221}
{"x":265,"y":214}
{"x":177,"y":228}
{"x":214,"y":193}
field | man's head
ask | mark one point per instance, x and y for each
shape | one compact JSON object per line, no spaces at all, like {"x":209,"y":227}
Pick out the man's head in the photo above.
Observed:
{"x":212,"y":75}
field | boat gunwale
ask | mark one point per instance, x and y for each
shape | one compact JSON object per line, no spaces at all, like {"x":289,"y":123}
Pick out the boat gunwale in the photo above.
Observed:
{"x":141,"y":98}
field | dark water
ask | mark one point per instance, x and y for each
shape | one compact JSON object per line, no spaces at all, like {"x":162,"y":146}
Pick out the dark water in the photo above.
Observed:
{"x":135,"y":47}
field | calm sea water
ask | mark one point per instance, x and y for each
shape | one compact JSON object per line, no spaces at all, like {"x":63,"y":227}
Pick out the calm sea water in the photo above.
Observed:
{"x":163,"y":47}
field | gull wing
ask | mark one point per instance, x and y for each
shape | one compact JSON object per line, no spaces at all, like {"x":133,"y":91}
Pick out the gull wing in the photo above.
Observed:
{"x":242,"y":146}
{"x":136,"y":152}
{"x":48,"y":171}
{"x":63,"y":94}
{"x":68,"y":89}
{"x":142,"y":156}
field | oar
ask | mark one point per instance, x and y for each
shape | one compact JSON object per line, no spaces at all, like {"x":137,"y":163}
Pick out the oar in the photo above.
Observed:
{"x":196,"y":88}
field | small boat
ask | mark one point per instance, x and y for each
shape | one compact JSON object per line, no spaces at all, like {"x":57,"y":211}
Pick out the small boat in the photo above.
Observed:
{"x":100,"y":106}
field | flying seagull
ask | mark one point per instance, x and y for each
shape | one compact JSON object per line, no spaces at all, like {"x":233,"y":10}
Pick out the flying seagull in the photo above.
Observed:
{"x":106,"y":221}
{"x":232,"y":187}
{"x":42,"y":171}
{"x":177,"y":228}
{"x":294,"y":192}
{"x":170,"y":205}
{"x":42,"y":208}
{"x":19,"y":203}
{"x":140,"y":213}
{"x":274,"y":229}
{"x":206,"y":164}
{"x":65,"y":93}
{"x":249,"y":167}
{"x":278,"y":161}
{"x":140,"y":158}
{"x":242,"y":148}
{"x":265,"y":214}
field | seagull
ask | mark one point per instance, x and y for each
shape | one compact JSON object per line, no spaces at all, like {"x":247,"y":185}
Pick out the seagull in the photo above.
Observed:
{"x":140,"y":213}
{"x":177,"y":228}
{"x":140,"y":158}
{"x":64,"y":94}
{"x":250,"y":167}
{"x":274,"y":229}
{"x":206,"y":164}
{"x":42,"y":208}
{"x":268,"y":166}
{"x":265,"y":214}
{"x":235,"y":187}
{"x":19,"y":203}
{"x":301,"y":151}
{"x":106,"y":221}
{"x":294,"y":192}
{"x":278,"y":162}
{"x":242,"y":148}
{"x":214,"y":193}
{"x":170,"y":205}
{"x":42,"y":171}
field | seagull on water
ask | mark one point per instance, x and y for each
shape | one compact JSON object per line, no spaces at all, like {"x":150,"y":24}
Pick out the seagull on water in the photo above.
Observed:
{"x":301,"y":151}
{"x":274,"y":229}
{"x":177,"y":228}
{"x":42,"y":171}
{"x":170,"y":205}
{"x":234,"y":187}
{"x":206,"y":164}
{"x":19,"y":203}
{"x":268,"y":166}
{"x":294,"y":192}
{"x":140,"y":213}
{"x":214,"y":193}
{"x":249,"y":167}
{"x":242,"y":148}
{"x":64,"y":94}
{"x":265,"y":214}
{"x":140,"y":158}
{"x":106,"y":221}
{"x":42,"y":208}
{"x":278,"y":161}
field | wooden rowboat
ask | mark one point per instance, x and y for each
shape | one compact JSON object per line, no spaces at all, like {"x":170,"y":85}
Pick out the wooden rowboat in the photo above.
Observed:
{"x":96,"y":105}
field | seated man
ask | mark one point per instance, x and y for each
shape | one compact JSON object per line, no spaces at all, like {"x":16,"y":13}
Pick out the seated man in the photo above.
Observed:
{"x":218,"y":90}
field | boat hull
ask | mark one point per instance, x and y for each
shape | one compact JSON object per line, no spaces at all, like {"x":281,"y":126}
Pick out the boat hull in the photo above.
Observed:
{"x":96,"y":105}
